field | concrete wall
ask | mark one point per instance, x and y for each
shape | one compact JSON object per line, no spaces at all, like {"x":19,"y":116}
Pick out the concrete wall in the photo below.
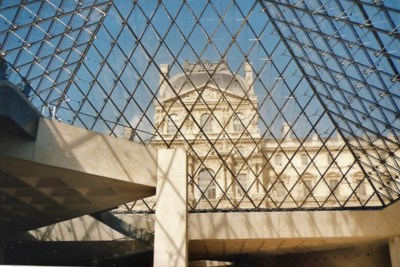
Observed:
{"x":366,"y":256}
{"x":84,"y":228}
{"x":68,"y":172}
{"x":219,"y":235}
{"x":65,"y":146}
{"x":300,"y":224}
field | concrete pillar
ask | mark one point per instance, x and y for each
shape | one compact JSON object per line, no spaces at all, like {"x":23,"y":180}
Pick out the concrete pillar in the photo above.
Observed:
{"x":394,"y":248}
{"x":170,"y":241}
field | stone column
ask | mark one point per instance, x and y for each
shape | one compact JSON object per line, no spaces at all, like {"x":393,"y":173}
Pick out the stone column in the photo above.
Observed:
{"x":230,"y":179}
{"x":250,"y":179}
{"x":394,"y":248}
{"x":258,"y":178}
{"x":170,"y":241}
{"x":224,"y":178}
{"x":191,"y":169}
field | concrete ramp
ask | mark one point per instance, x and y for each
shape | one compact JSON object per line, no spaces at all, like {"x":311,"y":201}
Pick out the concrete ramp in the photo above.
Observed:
{"x":67,"y":172}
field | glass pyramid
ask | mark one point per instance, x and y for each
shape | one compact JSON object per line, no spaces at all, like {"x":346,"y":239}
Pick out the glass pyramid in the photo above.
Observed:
{"x":281,"y":105}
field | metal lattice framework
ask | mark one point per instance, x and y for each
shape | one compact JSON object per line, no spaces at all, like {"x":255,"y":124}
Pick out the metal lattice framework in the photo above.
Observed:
{"x":327,"y":71}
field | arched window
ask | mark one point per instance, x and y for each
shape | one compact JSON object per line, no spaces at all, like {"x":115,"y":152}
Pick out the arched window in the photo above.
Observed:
{"x":206,"y":122}
{"x":238,"y":122}
{"x":207,"y":184}
{"x":172,"y":123}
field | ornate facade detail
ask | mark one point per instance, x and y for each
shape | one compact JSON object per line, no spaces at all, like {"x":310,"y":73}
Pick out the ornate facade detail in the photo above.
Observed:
{"x":231,"y":164}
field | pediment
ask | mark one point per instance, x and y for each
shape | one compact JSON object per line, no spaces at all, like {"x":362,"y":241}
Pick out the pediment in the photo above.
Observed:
{"x":209,"y":94}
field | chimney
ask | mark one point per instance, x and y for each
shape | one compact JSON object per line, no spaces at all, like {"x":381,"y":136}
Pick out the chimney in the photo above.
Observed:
{"x":164,"y":68}
{"x":286,"y":131}
{"x":248,"y":75}
{"x":315,"y":137}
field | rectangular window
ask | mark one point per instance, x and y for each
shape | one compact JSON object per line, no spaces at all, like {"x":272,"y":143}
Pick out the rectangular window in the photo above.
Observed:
{"x":278,"y":160}
{"x":241,"y":185}
{"x":238,"y":122}
{"x":280,"y":190}
{"x":330,"y":159}
{"x":211,"y":191}
{"x":307,"y":186}
{"x":332,"y":185}
{"x":240,"y":150}
{"x":361,"y":188}
{"x":304,"y":159}
{"x":172,"y":123}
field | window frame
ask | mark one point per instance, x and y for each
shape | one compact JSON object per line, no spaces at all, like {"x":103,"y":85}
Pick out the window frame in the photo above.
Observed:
{"x":239,"y":191}
{"x":172,"y":124}
{"x":207,"y":124}
{"x":206,"y":184}
{"x":238,"y":122}
{"x":304,"y":159}
{"x":280,"y":188}
{"x":307,"y":184}
{"x":335,"y":189}
{"x":360,"y":188}
{"x":278,"y":159}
